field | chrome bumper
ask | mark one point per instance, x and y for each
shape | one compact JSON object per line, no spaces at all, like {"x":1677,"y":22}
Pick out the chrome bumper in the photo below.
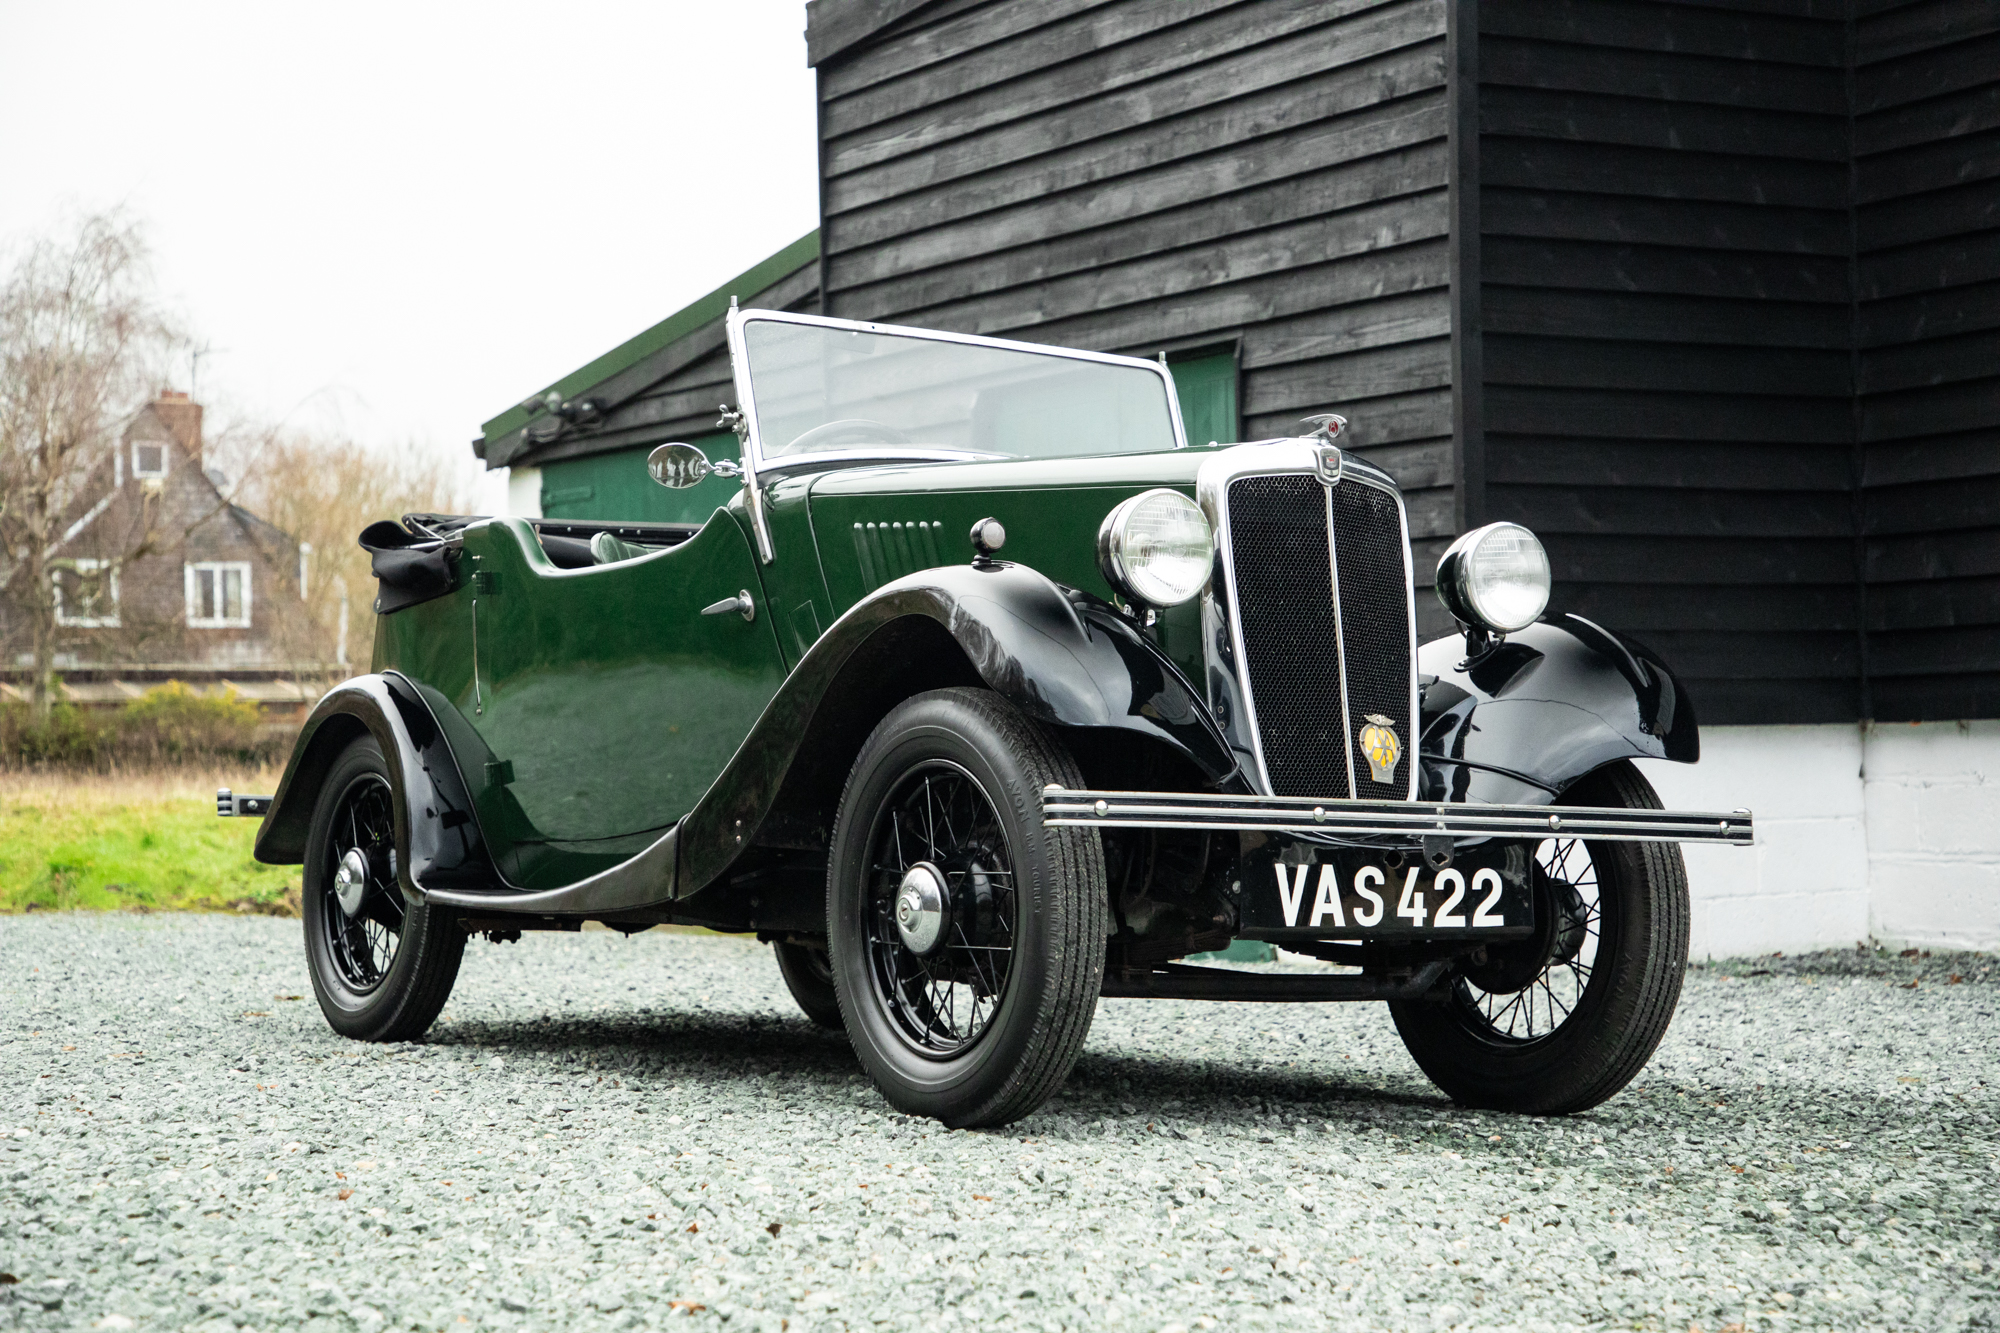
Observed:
{"x":1414,"y":820}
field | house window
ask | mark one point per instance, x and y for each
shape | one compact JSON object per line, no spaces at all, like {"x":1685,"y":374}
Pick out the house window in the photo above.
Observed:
{"x":218,"y":595}
{"x":86,"y":593}
{"x":149,"y":459}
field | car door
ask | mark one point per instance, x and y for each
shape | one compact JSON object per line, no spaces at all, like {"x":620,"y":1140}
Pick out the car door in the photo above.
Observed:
{"x":610,"y":697}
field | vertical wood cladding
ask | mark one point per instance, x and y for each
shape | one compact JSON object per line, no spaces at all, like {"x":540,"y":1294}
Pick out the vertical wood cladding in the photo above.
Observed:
{"x":1927,"y":235}
{"x":1666,"y":310}
{"x":1134,"y":176}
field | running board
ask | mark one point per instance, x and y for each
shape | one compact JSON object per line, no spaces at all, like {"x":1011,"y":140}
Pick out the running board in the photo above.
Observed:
{"x":1412,"y":819}
{"x":1182,"y":981}
{"x":644,"y":880}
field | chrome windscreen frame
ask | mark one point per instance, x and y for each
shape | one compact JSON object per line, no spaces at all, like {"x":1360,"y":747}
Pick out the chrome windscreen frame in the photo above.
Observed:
{"x":755,"y":462}
{"x":1230,"y":696}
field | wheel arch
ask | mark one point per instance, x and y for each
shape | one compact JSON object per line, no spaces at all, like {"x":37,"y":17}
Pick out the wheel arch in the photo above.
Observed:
{"x":437,"y":835}
{"x":1544,"y":710}
{"x":1065,"y":660}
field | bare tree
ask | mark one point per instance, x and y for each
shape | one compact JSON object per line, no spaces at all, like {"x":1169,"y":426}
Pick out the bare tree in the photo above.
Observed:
{"x":323,"y":490}
{"x":80,"y":334}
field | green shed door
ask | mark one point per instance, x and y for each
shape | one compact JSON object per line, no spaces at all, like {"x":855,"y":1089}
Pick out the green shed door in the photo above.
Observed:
{"x":616,"y":488}
{"x":1206,"y":384}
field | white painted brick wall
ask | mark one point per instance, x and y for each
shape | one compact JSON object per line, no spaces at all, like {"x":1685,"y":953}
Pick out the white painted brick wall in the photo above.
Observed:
{"x":1891,"y":832}
{"x":1933,"y":800}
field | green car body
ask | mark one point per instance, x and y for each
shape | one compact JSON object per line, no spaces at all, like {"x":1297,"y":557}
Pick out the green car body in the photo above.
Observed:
{"x":588,"y":677}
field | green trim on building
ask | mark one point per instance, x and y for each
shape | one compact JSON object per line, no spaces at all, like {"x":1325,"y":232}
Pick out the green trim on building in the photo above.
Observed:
{"x":1206,"y":385}
{"x":678,"y":325}
{"x":616,"y":488}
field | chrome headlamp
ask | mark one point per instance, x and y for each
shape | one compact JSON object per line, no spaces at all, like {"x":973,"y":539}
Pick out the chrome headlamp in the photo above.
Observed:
{"x":1156,"y":548}
{"x":1495,"y":578}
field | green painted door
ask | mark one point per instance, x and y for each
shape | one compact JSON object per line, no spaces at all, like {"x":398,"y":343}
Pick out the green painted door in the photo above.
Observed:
{"x":1205,"y":383}
{"x":608,"y":701}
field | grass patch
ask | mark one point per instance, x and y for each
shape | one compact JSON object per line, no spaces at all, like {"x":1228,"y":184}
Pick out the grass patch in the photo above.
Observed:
{"x":134,"y":842}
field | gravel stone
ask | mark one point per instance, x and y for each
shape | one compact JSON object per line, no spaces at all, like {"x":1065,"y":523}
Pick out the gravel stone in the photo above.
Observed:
{"x":610,"y":1132}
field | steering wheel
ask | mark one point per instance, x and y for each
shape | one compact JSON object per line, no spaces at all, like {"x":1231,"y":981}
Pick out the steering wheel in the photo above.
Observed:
{"x":855,"y":430}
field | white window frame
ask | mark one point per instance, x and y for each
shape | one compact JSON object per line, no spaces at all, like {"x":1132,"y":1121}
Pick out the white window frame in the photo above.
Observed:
{"x":196,"y":570}
{"x":85,"y":565}
{"x":166,"y":460}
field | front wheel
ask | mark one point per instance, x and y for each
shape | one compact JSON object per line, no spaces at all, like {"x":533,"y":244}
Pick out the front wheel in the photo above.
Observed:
{"x":967,"y":939}
{"x":381,"y":966}
{"x":1561,"y":1021}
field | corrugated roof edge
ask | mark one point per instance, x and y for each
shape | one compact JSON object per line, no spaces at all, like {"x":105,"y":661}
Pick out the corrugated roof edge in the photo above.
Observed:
{"x":678,"y":325}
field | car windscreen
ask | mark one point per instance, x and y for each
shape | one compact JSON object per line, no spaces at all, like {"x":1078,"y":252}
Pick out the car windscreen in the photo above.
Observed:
{"x":821,"y":389}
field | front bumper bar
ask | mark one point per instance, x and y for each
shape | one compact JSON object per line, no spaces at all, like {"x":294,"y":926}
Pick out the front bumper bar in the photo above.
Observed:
{"x":1413,"y":820}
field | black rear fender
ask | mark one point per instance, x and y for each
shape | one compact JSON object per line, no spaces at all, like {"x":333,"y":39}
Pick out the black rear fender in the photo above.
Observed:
{"x":437,"y":837}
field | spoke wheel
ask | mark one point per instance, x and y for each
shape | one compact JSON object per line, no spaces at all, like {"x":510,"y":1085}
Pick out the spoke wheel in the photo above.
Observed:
{"x":1561,"y":1021}
{"x":809,"y":977}
{"x":382,"y":966}
{"x":1529,"y":991}
{"x":363,"y":914}
{"x":943,"y":999}
{"x":966,"y":938}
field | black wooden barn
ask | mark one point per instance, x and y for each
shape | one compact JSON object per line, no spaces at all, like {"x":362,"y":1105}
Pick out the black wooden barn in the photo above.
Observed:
{"x":1707,"y":293}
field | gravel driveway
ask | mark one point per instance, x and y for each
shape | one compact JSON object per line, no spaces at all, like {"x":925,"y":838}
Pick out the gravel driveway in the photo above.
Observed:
{"x":606,"y":1132}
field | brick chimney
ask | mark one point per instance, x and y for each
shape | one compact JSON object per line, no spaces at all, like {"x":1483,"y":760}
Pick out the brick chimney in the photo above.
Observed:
{"x":183,"y":418}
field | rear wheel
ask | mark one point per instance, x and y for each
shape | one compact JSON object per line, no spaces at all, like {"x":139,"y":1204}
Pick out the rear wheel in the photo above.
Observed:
{"x":967,"y":939}
{"x":1561,"y":1021}
{"x":381,"y":966}
{"x":809,"y":977}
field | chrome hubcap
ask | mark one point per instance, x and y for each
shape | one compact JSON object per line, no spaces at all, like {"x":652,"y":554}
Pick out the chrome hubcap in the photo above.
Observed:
{"x":920,"y":908}
{"x":350,"y":882}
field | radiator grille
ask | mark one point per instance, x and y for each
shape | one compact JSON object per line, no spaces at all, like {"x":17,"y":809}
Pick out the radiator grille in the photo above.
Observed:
{"x":1284,"y":595}
{"x":1309,"y":703}
{"x":1375,"y":620}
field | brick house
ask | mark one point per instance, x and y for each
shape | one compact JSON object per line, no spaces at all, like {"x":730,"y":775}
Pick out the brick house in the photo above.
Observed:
{"x":159,"y":576}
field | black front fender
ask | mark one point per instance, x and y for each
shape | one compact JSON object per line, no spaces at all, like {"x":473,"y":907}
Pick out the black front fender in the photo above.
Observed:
{"x":1552,"y":703}
{"x":437,"y":837}
{"x":1063,"y":658}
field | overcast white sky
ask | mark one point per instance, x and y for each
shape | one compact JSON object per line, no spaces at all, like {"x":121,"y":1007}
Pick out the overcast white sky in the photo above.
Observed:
{"x":402,"y":218}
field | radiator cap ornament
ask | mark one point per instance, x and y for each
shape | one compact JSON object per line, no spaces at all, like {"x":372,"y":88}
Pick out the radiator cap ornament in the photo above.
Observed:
{"x":1382,"y":746}
{"x":1327,"y":462}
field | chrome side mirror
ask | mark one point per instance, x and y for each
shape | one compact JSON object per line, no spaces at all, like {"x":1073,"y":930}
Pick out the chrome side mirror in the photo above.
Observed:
{"x":679,"y":466}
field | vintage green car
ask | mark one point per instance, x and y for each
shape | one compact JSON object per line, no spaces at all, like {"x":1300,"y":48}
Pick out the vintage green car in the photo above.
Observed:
{"x":986,"y":696}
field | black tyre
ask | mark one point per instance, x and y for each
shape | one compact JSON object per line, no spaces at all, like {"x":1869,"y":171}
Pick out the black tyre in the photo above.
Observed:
{"x":967,"y":940}
{"x":382,"y":969}
{"x":809,"y":977}
{"x":1562,"y":1021}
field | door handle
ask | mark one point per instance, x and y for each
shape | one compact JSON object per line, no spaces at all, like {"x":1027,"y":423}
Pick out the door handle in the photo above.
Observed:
{"x":742,"y":604}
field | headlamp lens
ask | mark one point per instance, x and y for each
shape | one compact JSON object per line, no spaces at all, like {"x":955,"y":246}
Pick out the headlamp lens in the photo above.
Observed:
{"x":1156,"y":548}
{"x":1499,"y":576}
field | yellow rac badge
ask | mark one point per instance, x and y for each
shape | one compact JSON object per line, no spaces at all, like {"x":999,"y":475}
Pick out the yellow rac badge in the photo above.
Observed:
{"x":1379,"y":743}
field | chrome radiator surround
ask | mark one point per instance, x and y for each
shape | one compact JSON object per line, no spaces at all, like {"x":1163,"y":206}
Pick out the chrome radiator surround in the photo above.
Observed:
{"x":1411,"y":820}
{"x":1226,"y":655}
